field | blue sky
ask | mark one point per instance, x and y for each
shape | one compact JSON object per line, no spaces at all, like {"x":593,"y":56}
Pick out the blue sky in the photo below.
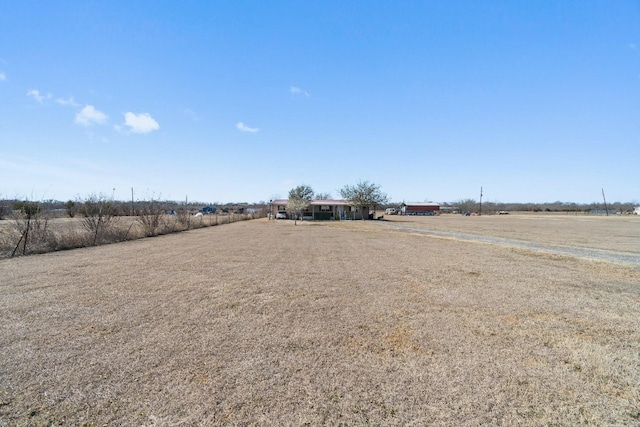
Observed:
{"x":232,"y":101}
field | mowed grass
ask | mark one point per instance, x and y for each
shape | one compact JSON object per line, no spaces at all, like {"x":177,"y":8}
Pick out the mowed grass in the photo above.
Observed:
{"x":351,"y":323}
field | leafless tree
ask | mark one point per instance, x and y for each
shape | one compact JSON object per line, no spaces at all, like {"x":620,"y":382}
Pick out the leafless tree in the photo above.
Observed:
{"x":150,"y":216}
{"x":4,"y":208}
{"x":32,"y":224}
{"x":100,"y":214}
{"x":364,"y":194}
{"x":71,"y":207}
{"x":299,"y":201}
{"x":467,"y":205}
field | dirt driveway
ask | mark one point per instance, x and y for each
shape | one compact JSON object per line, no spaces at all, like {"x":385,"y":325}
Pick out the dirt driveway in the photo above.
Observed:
{"x":353,"y":323}
{"x":615,"y":239}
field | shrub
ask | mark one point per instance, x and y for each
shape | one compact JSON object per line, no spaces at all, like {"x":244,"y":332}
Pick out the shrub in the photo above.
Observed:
{"x":151,"y":218}
{"x":71,"y":208}
{"x":31,"y":224}
{"x":99,"y":218}
{"x":4,"y":209}
{"x":183,"y":219}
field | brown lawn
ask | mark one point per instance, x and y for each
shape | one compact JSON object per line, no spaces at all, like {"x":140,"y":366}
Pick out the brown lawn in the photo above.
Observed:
{"x":351,"y":323}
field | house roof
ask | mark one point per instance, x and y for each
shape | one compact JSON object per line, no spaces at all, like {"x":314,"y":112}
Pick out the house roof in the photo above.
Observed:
{"x":330,"y":202}
{"x":420,"y":204}
{"x":317,"y":202}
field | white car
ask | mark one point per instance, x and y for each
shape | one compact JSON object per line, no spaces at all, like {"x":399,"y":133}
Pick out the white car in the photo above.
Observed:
{"x":281,"y":215}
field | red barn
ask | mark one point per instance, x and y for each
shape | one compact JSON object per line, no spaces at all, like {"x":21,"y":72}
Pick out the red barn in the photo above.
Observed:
{"x":428,"y":208}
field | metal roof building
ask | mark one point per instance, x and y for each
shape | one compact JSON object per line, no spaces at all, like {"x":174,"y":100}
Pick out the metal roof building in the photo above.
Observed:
{"x":420,"y":208}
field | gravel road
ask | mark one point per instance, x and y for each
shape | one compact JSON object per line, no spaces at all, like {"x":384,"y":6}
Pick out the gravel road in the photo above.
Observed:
{"x":618,"y":257}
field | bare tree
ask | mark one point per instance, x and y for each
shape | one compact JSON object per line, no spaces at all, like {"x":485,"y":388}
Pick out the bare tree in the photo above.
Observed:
{"x":71,"y":208}
{"x":323,"y":196}
{"x":364,"y":194}
{"x":150,"y":216}
{"x":299,"y":200}
{"x":467,"y":205}
{"x":99,"y":216}
{"x":33,"y":225}
{"x":4,"y":208}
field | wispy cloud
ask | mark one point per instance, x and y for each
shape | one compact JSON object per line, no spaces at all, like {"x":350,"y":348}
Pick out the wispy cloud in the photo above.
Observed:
{"x":92,"y":137}
{"x":140,"y":123}
{"x":297,"y":91}
{"x":3,"y":77}
{"x":89,"y":115}
{"x":189,"y":112}
{"x":633,"y":46}
{"x":35,"y":94}
{"x":244,"y":128}
{"x":68,"y":102}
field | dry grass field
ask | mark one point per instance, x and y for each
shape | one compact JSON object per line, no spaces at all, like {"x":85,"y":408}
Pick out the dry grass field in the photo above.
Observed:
{"x":337,"y":323}
{"x":50,"y":234}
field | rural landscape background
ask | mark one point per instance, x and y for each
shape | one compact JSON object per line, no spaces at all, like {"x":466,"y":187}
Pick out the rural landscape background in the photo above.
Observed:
{"x":144,"y":283}
{"x":28,"y":227}
{"x":241,"y":101}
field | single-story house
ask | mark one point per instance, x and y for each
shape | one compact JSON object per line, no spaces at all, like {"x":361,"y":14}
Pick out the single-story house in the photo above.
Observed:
{"x":418,"y":208}
{"x":321,"y":209}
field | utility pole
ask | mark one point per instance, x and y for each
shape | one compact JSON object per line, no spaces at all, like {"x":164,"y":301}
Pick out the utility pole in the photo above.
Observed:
{"x":606,"y":209}
{"x":132,"y":210}
{"x":480,"y":200}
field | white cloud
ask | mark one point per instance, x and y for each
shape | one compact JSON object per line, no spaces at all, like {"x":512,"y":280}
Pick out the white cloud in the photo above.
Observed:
{"x":35,"y":94}
{"x":89,"y":115}
{"x":244,"y":128}
{"x":3,"y":77}
{"x":140,"y":123}
{"x":69,"y":101}
{"x":297,"y":91}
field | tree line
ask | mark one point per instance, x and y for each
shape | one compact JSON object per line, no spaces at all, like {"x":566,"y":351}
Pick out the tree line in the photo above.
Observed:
{"x":367,"y":194}
{"x":100,"y":220}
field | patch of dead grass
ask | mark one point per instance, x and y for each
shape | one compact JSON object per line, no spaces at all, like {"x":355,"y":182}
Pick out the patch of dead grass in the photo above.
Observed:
{"x":268,"y":323}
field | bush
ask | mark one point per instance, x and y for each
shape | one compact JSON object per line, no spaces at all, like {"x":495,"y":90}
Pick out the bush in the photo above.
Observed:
{"x":151,"y":218}
{"x":100,"y":215}
{"x":31,"y":225}
{"x":71,"y":208}
{"x":4,"y":209}
{"x":183,"y":220}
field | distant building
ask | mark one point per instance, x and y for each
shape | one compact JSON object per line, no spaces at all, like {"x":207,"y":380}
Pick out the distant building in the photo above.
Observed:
{"x":417,"y":208}
{"x":636,"y":210}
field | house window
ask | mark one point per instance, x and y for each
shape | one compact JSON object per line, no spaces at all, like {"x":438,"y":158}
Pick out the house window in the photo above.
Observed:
{"x":282,"y":208}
